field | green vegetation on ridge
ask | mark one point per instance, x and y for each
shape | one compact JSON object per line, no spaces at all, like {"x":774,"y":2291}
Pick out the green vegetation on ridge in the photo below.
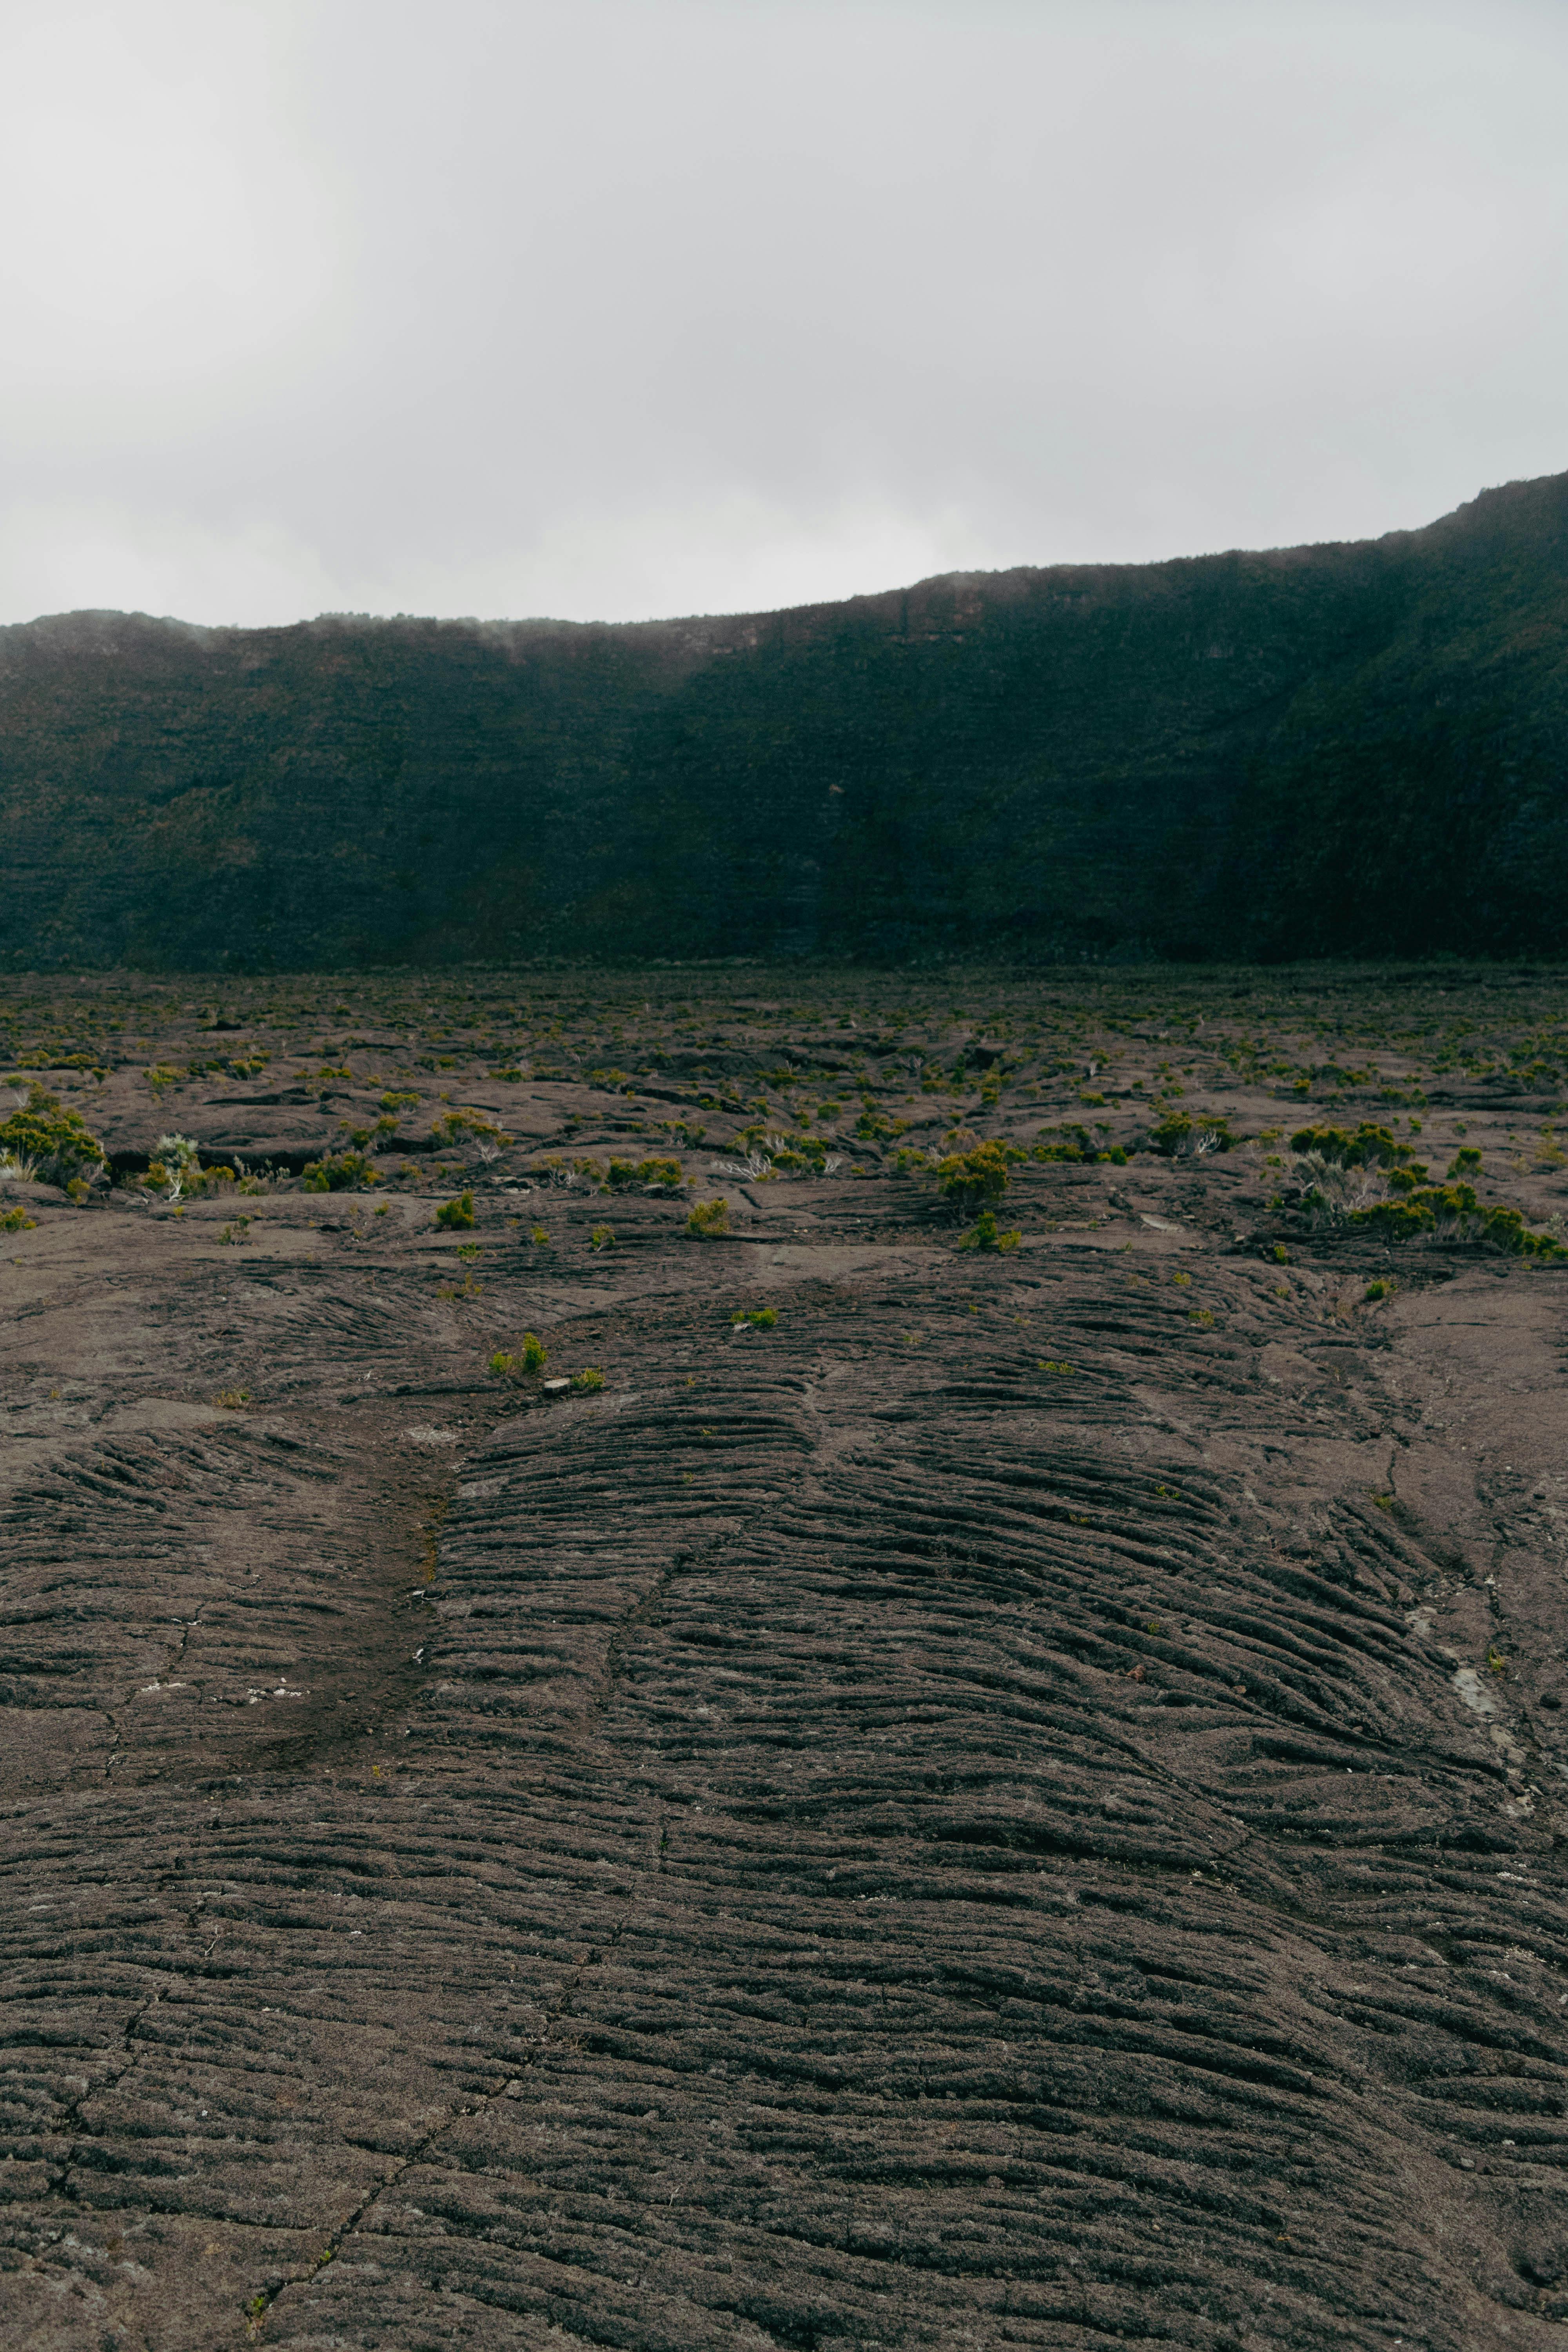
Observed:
{"x":1323,"y":750}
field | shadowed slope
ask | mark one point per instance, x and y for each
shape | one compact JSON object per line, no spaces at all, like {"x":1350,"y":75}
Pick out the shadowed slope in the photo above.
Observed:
{"x":1326,"y":750}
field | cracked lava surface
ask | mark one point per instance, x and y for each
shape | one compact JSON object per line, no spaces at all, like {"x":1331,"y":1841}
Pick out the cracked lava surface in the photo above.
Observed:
{"x":1020,"y":1805}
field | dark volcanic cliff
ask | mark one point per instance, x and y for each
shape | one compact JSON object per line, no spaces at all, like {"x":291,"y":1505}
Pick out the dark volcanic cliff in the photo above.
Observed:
{"x":1339,"y":748}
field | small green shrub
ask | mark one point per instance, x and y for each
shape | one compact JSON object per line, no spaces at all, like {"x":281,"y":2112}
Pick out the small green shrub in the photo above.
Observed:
{"x":983,"y":1234}
{"x":1381,"y":1286}
{"x":17,"y":1221}
{"x":873,"y":1124}
{"x":1466,"y":1161}
{"x":709,"y":1220}
{"x":238,"y":1230}
{"x":1367,"y":1146}
{"x":1505,"y":1229}
{"x":340,"y":1172}
{"x":660,"y":1175}
{"x":1426,"y":1203}
{"x":531,"y":1357}
{"x":1407,"y":1179}
{"x":601,"y":1238}
{"x":1179,"y":1136}
{"x":1455,"y":1207}
{"x":458,"y":1215}
{"x":51,"y":1141}
{"x":1070,"y":1142}
{"x":454,"y":1125}
{"x":588,"y":1380}
{"x":971,"y":1180}
{"x":761,"y":1318}
{"x":539,"y":1237}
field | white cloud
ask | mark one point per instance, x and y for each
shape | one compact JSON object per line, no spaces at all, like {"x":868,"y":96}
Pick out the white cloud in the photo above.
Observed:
{"x":679,"y":304}
{"x":171,"y":236}
{"x":66,"y":558}
{"x":732,"y":555}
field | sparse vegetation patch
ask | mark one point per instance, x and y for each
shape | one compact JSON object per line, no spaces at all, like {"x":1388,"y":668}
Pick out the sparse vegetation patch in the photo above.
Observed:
{"x":52,"y":1145}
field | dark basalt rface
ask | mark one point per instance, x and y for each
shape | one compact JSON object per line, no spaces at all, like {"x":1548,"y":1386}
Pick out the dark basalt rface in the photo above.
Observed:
{"x":1016,"y":1804}
{"x":1353,"y":749}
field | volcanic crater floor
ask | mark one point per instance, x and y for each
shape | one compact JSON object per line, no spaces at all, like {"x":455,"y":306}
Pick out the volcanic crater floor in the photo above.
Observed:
{"x":1020,"y":1804}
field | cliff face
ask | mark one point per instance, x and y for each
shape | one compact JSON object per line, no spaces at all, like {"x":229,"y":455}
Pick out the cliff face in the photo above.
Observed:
{"x":1340,"y":749}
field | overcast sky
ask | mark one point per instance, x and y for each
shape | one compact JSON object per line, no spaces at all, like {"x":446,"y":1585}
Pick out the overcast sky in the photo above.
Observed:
{"x":619,"y":307}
